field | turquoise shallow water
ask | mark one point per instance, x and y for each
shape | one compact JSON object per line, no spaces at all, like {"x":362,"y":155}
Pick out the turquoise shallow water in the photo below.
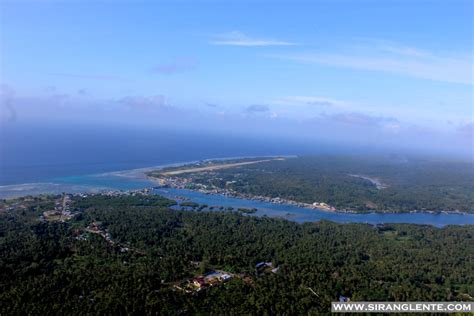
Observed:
{"x":134,"y":179}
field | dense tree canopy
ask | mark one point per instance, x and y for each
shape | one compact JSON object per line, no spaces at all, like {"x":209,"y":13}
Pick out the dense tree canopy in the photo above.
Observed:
{"x":407,"y":185}
{"x":56,"y":267}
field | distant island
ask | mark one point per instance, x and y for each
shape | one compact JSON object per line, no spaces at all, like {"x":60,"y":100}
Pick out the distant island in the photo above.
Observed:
{"x":339,"y":184}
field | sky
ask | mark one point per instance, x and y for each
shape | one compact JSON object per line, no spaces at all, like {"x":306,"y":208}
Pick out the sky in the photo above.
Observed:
{"x":382,"y":73}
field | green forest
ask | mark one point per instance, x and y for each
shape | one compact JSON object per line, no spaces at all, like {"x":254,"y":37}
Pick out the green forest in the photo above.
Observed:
{"x":54,"y":267}
{"x":406,"y":184}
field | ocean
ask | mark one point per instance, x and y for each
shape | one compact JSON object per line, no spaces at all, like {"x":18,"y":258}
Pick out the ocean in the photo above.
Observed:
{"x":41,"y":153}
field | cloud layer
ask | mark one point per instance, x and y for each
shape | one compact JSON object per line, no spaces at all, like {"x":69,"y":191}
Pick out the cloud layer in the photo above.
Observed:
{"x":237,"y":38}
{"x":335,"y":125}
{"x":310,"y":101}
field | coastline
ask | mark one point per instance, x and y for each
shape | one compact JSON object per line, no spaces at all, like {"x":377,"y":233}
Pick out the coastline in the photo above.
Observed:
{"x":60,"y":184}
{"x":50,"y":186}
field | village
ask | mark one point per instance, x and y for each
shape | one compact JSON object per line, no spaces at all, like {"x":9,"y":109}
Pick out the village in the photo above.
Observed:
{"x":61,"y":211}
{"x":62,"y":208}
{"x":190,"y":184}
{"x":96,"y":227}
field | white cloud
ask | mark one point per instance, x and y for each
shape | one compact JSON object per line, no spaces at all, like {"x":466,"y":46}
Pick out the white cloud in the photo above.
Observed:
{"x":311,"y":101}
{"x":391,"y":46}
{"x":405,"y":51}
{"x":257,"y":108}
{"x":236,"y":38}
{"x":356,"y":118}
{"x":145,"y":102}
{"x":392,"y":127}
{"x":387,"y":124}
{"x":394,"y":58}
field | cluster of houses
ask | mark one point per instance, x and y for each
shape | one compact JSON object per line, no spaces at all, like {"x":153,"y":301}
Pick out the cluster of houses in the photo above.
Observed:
{"x":202,"y":282}
{"x":324,"y":206}
{"x":174,"y":182}
{"x":217,"y":277}
{"x":96,"y":228}
{"x":17,"y":205}
{"x":211,"y":279}
{"x":116,"y":193}
{"x":61,"y":211}
{"x":188,"y":183}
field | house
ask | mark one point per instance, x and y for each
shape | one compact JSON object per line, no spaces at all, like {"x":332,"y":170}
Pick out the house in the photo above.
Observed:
{"x":199,"y":282}
{"x":225,"y":277}
{"x":260,"y":265}
{"x":263,"y":265}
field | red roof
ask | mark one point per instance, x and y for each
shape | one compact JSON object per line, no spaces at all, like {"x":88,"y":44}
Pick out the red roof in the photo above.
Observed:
{"x":200,"y":280}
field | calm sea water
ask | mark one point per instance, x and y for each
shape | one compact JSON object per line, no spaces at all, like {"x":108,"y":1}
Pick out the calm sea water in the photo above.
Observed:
{"x":41,"y":153}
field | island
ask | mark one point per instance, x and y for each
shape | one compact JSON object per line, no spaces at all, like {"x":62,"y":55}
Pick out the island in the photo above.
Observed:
{"x":348,"y":184}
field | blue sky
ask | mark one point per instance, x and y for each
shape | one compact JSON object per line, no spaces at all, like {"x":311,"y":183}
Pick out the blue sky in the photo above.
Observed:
{"x":399,"y":69}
